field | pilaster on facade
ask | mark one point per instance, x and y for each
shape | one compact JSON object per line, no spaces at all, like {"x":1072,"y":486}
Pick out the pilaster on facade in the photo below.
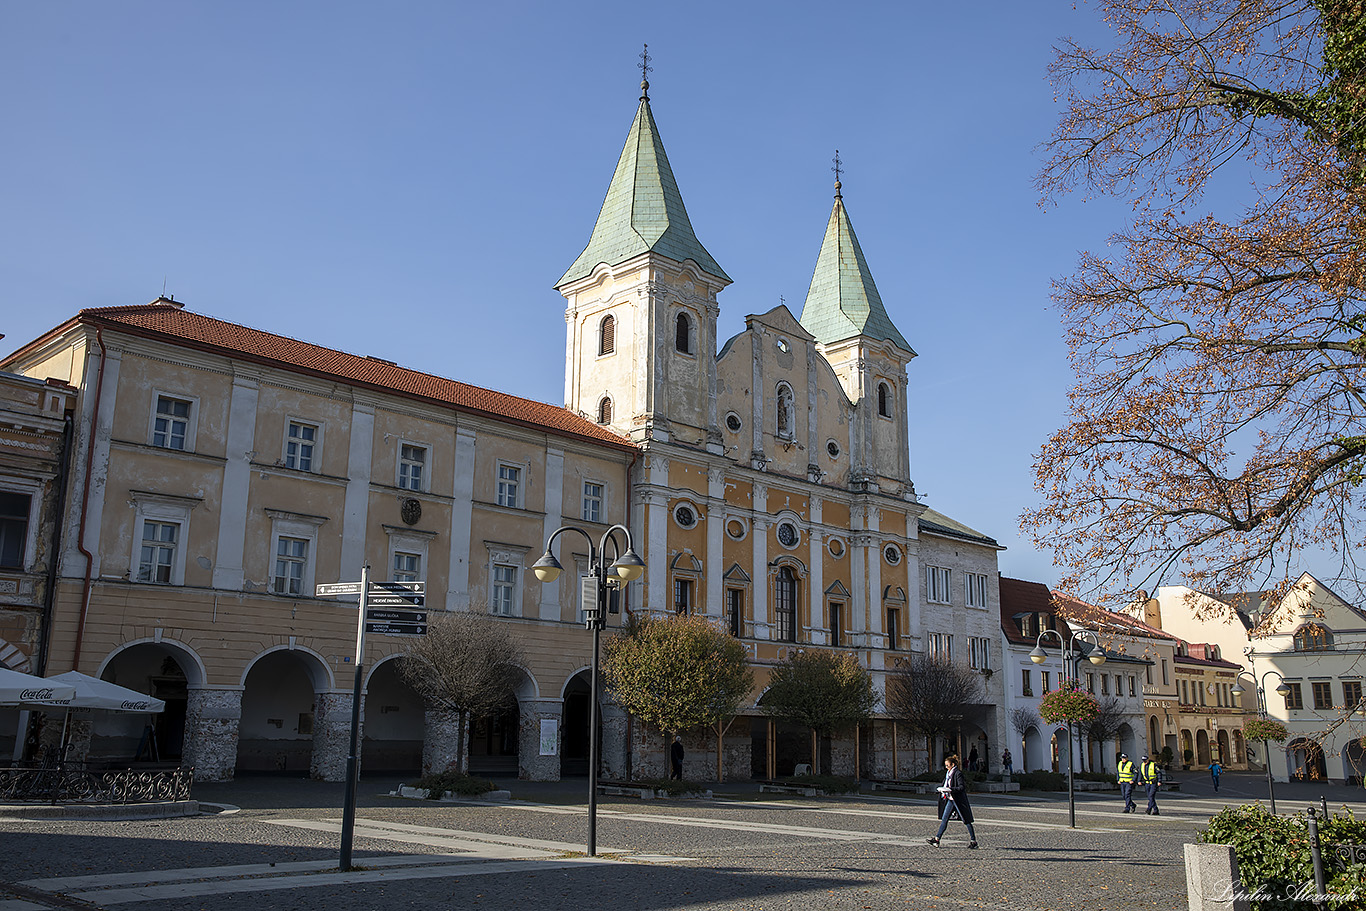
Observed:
{"x":355,"y":517}
{"x":229,"y":573}
{"x":91,"y":452}
{"x":462,"y":520}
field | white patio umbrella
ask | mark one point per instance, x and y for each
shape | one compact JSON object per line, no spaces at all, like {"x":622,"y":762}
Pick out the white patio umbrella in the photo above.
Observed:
{"x":94,"y":693}
{"x":29,"y":692}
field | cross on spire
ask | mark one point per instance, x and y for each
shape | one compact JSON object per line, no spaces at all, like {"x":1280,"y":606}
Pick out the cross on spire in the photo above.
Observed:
{"x":645,"y":71}
{"x":838,"y":169}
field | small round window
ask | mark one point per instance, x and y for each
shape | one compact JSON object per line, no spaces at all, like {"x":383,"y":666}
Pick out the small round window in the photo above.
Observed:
{"x":836,"y":548}
{"x":892,"y":554}
{"x":833,"y":448}
{"x":788,"y":535}
{"x":733,"y":423}
{"x":736,"y":529}
{"x":685,"y":516}
{"x":783,"y":346}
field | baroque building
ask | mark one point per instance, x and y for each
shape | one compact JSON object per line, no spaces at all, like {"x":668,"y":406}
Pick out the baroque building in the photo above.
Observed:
{"x":225,"y":470}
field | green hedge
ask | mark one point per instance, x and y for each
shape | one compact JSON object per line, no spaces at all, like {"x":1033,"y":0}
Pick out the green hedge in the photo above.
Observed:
{"x":456,"y":782}
{"x":1274,"y":861}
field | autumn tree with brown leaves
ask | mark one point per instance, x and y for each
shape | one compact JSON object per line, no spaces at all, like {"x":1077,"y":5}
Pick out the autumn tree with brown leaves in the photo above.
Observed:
{"x":1218,"y":422}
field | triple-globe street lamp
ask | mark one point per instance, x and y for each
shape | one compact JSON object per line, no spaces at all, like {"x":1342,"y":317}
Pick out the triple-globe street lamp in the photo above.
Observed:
{"x":1283,"y":690}
{"x":1071,"y":655}
{"x":626,"y":566}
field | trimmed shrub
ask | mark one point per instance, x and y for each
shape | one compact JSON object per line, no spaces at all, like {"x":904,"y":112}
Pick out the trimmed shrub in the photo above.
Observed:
{"x":456,"y":782}
{"x":1042,"y":780}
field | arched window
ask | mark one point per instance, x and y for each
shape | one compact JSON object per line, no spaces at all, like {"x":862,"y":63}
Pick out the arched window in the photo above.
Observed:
{"x":605,"y":410}
{"x":884,"y":400}
{"x":1313,"y":638}
{"x":785,"y":604}
{"x":786,"y":422}
{"x":607,"y":334}
{"x":683,"y":333}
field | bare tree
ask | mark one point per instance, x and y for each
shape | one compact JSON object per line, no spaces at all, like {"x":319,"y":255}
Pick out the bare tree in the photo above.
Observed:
{"x":825,"y":691}
{"x":1107,"y":724}
{"x":467,"y":664}
{"x":1023,"y":719}
{"x":931,"y":696}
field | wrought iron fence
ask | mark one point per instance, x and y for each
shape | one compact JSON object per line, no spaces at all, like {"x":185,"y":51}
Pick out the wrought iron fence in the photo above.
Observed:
{"x":76,"y":783}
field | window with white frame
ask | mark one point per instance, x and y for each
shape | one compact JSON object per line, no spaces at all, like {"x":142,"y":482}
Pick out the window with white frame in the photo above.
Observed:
{"x":293,"y":552}
{"x":291,"y":561}
{"x":683,"y":595}
{"x":173,"y":422}
{"x":975,"y":589}
{"x":161,"y":524}
{"x":941,"y":646}
{"x":1133,"y":687}
{"x":509,"y":485}
{"x":505,"y":578}
{"x":937,"y":585}
{"x":407,"y":567}
{"x":592,"y":501}
{"x":301,"y":443}
{"x":412,"y":466}
{"x":979,"y":653}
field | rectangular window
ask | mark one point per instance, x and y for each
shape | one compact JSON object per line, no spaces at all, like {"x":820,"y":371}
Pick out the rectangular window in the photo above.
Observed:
{"x":979,"y":653}
{"x":785,"y":604}
{"x":937,"y":585}
{"x":503,"y":590}
{"x":170,"y":426}
{"x":683,"y":596}
{"x":1026,"y":683}
{"x":735,"y":611}
{"x":1166,"y":681}
{"x":1200,"y":689}
{"x":592,"y":502}
{"x":1181,"y":691}
{"x":1351,"y":693}
{"x":836,"y":622}
{"x":975,"y":585}
{"x":157,"y":560}
{"x":1047,"y":679}
{"x":1105,"y":684}
{"x":509,"y":481}
{"x":1294,"y":699}
{"x":291,"y":558}
{"x":1091,"y":684}
{"x":1148,"y":674}
{"x":1133,"y":686}
{"x":407,"y":567}
{"x":412,"y":467}
{"x":299,"y":445}
{"x":941,"y":646}
{"x":14,"y":508}
{"x":894,"y":627}
{"x":1323,"y":695}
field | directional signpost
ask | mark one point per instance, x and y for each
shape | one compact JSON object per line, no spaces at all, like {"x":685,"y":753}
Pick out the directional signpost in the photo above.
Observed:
{"x":383,"y":621}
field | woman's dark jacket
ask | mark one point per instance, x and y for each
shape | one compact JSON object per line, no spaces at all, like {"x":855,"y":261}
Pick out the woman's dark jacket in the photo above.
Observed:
{"x":959,"y":788}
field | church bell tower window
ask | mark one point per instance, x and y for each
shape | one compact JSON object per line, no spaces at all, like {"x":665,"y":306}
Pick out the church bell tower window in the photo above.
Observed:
{"x":683,"y":334}
{"x":605,"y":410}
{"x":607,"y":335}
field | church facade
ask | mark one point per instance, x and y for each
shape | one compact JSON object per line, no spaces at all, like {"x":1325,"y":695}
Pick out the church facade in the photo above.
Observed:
{"x":221,"y":472}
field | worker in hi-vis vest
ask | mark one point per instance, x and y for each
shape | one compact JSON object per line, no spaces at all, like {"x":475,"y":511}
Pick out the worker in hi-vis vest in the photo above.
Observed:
{"x":1151,"y":778}
{"x":1128,"y":776}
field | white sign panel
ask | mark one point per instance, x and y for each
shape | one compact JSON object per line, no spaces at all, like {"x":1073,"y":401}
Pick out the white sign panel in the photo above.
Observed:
{"x":550,"y":736}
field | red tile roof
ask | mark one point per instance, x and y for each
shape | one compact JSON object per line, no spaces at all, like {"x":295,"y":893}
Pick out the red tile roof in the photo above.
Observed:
{"x":1021,"y":597}
{"x":167,"y":321}
{"x":1074,"y":610}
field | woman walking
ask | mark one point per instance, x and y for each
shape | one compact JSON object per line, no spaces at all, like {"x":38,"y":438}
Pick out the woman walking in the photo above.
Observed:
{"x":954,"y":793}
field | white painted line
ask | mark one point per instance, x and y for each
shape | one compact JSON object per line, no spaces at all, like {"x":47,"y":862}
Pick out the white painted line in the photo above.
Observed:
{"x":493,"y":838}
{"x":321,"y":880}
{"x":482,"y":850}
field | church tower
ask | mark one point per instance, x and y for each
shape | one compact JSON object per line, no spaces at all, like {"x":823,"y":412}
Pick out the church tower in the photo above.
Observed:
{"x":641,"y":318}
{"x":844,"y":312}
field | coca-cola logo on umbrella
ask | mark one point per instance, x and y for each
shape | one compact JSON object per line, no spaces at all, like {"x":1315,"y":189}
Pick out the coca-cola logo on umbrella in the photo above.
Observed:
{"x":135,"y":705}
{"x":31,"y":695}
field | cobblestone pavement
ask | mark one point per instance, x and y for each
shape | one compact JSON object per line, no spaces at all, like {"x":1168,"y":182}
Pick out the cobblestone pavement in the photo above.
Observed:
{"x":279,"y":849}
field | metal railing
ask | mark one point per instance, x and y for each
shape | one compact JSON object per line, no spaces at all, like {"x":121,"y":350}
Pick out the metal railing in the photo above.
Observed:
{"x":77,"y":783}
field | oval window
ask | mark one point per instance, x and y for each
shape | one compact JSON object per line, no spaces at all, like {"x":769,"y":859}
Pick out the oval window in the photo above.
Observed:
{"x":787,"y":535}
{"x":736,"y":529}
{"x":892,"y":554}
{"x":836,"y":548}
{"x":685,"y":516}
{"x":833,"y":448}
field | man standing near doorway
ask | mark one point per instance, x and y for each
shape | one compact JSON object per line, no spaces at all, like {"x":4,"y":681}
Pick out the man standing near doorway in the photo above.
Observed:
{"x":1128,"y":775}
{"x":1151,"y":777}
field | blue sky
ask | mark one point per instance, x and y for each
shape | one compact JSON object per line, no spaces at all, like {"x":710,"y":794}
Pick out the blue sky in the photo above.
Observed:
{"x":408,"y":180}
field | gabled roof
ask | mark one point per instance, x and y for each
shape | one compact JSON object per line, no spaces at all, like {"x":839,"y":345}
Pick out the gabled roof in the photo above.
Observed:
{"x":1021,"y":597}
{"x":843,"y":301}
{"x":1074,"y":610}
{"x":168,"y":322}
{"x":643,"y":211}
{"x":935,"y":522}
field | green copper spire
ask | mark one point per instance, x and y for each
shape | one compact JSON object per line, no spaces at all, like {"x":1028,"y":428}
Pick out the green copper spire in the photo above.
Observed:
{"x":843,"y":301}
{"x":643,"y":211}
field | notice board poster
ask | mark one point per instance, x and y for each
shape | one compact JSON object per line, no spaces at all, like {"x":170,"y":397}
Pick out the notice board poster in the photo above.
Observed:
{"x":550,"y":736}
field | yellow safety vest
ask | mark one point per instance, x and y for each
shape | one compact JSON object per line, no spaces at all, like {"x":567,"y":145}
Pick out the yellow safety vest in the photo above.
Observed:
{"x":1127,"y":771}
{"x":1150,"y":772}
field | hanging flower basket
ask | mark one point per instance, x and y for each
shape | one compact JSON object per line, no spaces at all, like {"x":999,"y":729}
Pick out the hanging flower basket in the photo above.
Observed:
{"x":1068,"y":703}
{"x":1265,"y":729}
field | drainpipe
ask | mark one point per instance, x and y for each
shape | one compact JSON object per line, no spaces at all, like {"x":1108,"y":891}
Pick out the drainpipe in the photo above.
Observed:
{"x":85,"y":501}
{"x":55,"y":547}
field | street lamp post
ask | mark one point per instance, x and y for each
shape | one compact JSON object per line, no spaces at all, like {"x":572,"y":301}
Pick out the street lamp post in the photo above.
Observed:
{"x":1281,"y":691}
{"x":1071,"y":657}
{"x":626,"y":566}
